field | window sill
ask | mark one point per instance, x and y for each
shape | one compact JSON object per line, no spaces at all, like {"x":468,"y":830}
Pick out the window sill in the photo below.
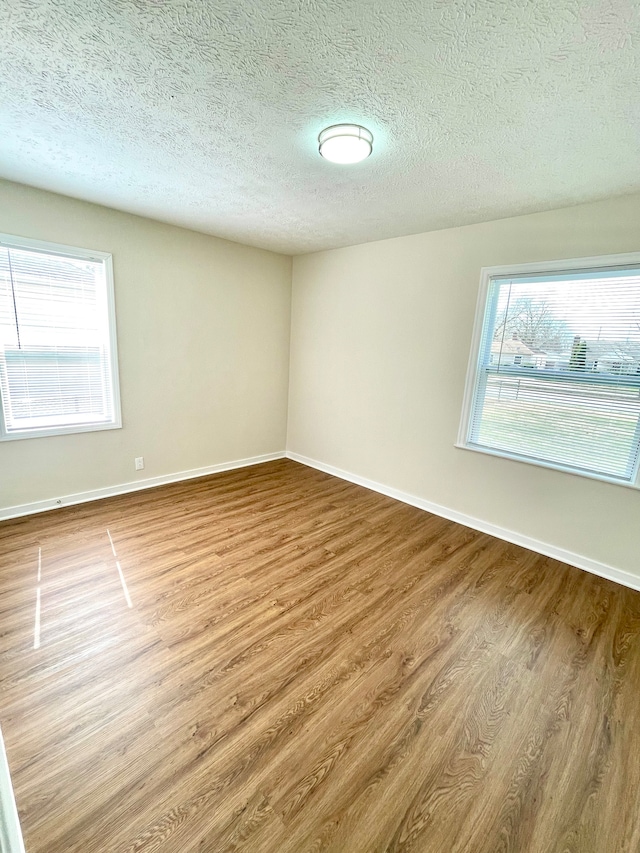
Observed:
{"x":564,"y":469}
{"x":66,"y":430}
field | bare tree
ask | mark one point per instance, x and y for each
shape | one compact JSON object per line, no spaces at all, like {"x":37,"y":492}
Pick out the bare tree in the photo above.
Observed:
{"x":534,"y":323}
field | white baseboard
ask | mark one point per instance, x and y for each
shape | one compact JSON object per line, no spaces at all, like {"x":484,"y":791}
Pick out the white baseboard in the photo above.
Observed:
{"x":135,"y":486}
{"x":581,"y":562}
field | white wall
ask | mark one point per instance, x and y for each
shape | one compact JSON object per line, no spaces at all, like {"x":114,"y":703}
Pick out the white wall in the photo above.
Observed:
{"x":203,"y":338}
{"x":379,"y":350}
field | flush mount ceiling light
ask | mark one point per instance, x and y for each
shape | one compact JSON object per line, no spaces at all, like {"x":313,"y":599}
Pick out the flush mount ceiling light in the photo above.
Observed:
{"x":345,"y":143}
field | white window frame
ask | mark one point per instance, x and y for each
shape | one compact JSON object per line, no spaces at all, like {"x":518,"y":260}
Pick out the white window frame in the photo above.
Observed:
{"x":10,"y":241}
{"x":590,"y":264}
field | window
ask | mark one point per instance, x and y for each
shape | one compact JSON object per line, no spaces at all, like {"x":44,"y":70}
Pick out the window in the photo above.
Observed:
{"x":58,"y":363}
{"x":554,"y":376}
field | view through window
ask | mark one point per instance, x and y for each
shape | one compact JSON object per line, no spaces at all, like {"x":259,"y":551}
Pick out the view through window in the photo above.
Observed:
{"x":558,"y":371}
{"x":57,"y":341}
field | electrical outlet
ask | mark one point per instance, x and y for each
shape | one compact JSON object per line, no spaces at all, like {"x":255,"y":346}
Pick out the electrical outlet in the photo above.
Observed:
{"x":139,"y":460}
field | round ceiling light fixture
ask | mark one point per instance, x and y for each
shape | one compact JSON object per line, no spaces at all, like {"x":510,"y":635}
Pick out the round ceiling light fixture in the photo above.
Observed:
{"x":345,"y":143}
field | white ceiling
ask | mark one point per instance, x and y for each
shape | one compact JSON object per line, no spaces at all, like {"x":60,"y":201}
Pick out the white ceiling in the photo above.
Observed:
{"x":206,"y":114}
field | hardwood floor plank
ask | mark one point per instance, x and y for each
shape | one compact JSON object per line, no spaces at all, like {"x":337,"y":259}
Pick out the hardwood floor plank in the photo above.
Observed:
{"x":307,"y":665}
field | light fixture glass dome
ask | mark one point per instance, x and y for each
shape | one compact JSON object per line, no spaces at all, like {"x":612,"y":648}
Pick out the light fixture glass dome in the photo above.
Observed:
{"x":345,"y":143}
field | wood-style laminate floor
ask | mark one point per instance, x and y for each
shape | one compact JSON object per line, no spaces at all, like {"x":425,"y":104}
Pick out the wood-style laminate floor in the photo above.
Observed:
{"x":273,"y":660}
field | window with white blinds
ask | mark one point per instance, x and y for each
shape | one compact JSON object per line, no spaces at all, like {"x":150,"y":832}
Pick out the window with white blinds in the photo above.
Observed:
{"x":58,"y":364}
{"x":554,"y":375}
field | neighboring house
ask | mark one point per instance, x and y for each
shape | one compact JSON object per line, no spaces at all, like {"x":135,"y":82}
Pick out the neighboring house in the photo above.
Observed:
{"x":613,"y":357}
{"x":618,"y":357}
{"x":556,"y":360}
{"x":512,"y":352}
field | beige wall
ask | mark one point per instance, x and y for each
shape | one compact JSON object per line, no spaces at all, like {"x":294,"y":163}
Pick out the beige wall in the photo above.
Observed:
{"x":203,"y":338}
{"x":379,"y":351}
{"x":380,"y":338}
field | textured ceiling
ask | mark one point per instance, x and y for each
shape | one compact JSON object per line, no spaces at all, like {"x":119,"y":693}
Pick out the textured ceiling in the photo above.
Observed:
{"x":206,"y":114}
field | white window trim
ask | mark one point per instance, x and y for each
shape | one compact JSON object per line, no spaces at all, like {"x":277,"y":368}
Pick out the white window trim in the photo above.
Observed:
{"x":11,"y":241}
{"x":536,"y":267}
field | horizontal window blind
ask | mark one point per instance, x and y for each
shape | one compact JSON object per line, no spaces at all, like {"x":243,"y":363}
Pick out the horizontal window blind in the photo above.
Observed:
{"x":56,"y":365}
{"x":558,"y":377}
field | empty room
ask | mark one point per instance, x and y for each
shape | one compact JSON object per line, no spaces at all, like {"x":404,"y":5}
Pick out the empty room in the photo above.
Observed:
{"x":320,"y":426}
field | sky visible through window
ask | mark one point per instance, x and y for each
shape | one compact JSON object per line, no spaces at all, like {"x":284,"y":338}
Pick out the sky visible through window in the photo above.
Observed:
{"x":54,"y":300}
{"x":597,"y":308}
